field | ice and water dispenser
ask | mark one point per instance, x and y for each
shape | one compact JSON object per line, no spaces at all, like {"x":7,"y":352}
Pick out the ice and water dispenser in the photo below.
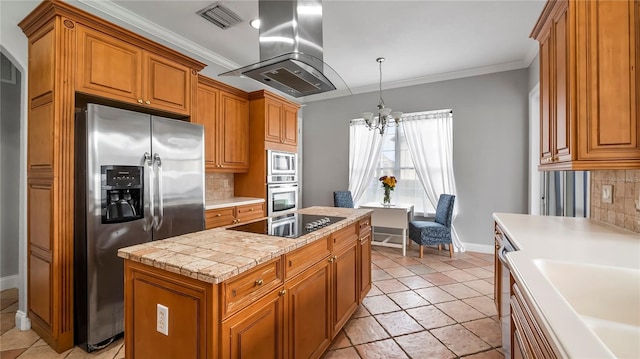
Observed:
{"x":122,"y":193}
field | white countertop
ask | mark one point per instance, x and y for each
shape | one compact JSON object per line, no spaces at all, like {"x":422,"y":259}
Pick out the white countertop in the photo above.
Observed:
{"x":580,"y":243}
{"x":231,"y":202}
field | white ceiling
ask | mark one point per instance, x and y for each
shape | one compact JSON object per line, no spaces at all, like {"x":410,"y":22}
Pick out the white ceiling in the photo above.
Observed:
{"x":423,"y":41}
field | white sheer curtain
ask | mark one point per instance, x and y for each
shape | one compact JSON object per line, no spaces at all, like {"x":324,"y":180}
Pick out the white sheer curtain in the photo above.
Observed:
{"x":364,"y":153}
{"x":430,"y":139}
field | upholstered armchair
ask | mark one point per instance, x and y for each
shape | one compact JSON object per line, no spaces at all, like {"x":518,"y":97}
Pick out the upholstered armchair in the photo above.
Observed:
{"x":437,"y":232}
{"x":342,"y":199}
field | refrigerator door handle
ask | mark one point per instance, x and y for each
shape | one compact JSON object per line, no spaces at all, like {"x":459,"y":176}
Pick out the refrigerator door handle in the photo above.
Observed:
{"x":158,"y":161}
{"x":149,"y":163}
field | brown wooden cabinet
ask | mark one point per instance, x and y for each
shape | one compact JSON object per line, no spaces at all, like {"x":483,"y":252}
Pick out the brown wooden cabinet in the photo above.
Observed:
{"x":111,"y":68}
{"x":273,"y":123}
{"x":308,"y":303}
{"x":529,"y":339}
{"x":589,"y":85}
{"x":191,"y":305}
{"x":224,"y":113}
{"x":344,"y":269}
{"x":364,"y":258}
{"x":232,"y":215}
{"x":70,"y":52}
{"x":281,"y":122}
{"x":257,"y":331}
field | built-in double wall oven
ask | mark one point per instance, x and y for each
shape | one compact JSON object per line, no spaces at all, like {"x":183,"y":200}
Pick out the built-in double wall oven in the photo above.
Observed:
{"x":282,"y":182}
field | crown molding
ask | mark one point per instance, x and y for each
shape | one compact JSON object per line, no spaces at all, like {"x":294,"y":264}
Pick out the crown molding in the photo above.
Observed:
{"x":515,"y":65}
{"x":118,"y":12}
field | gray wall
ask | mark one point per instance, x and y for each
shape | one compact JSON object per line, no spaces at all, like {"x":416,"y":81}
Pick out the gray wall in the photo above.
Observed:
{"x":490,"y":135}
{"x":534,"y":72}
{"x":9,"y":175}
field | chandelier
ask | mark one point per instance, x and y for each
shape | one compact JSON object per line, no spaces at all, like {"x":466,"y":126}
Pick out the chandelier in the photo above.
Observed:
{"x":385,"y":114}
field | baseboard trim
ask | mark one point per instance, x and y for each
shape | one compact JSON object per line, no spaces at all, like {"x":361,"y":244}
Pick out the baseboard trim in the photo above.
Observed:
{"x":9,"y":282}
{"x":480,"y":248}
{"x":22,"y":321}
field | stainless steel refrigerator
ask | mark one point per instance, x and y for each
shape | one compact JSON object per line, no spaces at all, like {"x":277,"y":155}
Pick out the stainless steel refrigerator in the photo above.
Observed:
{"x":139,"y":178}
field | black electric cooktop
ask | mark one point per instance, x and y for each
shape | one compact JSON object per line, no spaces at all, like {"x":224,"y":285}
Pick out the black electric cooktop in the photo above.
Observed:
{"x":292,"y":225}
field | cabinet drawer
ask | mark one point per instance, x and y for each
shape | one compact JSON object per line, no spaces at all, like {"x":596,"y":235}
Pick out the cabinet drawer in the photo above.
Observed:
{"x":249,"y":212}
{"x":344,"y":237}
{"x":219,"y":217}
{"x":249,"y":286}
{"x":303,"y":258}
{"x":526,"y":323}
{"x":365,"y":226}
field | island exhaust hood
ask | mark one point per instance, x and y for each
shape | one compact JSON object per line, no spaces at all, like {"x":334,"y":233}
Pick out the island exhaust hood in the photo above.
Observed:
{"x":291,"y":57}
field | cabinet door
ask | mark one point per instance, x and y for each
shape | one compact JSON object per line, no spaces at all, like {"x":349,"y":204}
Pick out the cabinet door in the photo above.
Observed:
{"x":562,"y":128}
{"x":233,"y":134}
{"x":364,"y":264}
{"x":610,"y":113}
{"x":167,"y":85}
{"x":256,"y":331}
{"x":206,"y":114}
{"x":546,"y":116}
{"x":289,"y":125}
{"x":344,"y":291}
{"x":307,"y":303}
{"x":272,"y":130}
{"x":108,"y":67}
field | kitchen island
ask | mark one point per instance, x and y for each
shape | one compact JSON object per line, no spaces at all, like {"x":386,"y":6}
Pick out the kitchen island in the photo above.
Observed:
{"x":575,"y":287}
{"x":229,"y":294}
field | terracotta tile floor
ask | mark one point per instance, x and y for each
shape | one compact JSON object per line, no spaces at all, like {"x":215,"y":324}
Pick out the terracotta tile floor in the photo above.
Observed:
{"x":435,"y":307}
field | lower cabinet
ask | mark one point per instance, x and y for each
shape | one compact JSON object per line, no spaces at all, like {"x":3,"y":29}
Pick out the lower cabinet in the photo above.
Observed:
{"x":233,"y":215}
{"x":526,"y":334}
{"x":257,"y":331}
{"x":344,"y":294}
{"x":307,"y":309}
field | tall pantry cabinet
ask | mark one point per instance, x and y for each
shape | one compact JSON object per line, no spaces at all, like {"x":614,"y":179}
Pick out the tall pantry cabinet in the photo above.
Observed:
{"x":68,"y":49}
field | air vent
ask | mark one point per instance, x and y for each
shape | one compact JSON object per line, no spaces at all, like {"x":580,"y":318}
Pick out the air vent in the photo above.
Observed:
{"x":220,"y":15}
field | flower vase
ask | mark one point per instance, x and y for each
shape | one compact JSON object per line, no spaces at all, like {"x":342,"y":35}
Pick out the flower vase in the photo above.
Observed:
{"x":387,"y":196}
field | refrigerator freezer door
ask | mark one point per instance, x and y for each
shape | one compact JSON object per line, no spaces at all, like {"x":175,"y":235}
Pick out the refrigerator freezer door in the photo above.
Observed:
{"x":178,"y":161}
{"x":115,"y":137}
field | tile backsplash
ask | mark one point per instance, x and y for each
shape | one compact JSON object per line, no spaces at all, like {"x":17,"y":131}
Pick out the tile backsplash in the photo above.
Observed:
{"x":218,"y":186}
{"x":624,"y":198}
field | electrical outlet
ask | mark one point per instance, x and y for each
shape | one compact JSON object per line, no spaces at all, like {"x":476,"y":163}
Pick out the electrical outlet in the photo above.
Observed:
{"x":162,"y":319}
{"x":607,"y":193}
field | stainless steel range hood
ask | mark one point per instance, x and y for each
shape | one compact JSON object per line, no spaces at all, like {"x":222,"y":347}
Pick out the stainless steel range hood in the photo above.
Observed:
{"x":291,"y":57}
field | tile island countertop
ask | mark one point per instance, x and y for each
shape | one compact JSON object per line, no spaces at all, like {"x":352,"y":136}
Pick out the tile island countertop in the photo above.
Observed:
{"x":583,"y":277}
{"x":218,"y":254}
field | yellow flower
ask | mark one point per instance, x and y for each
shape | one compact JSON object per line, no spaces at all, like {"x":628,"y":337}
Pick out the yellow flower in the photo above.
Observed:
{"x":388,"y":181}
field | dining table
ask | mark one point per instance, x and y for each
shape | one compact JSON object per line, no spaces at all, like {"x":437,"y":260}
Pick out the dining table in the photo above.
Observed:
{"x":395,"y":216}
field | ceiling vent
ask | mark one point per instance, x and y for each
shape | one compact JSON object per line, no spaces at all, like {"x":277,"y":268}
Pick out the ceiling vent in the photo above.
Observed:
{"x":220,"y":15}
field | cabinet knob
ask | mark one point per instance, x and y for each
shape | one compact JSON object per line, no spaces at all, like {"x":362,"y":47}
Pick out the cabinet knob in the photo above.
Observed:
{"x":221,"y":165}
{"x":139,"y":100}
{"x":250,"y":209}
{"x":259,"y":282}
{"x":219,"y":215}
{"x":148,"y":102}
{"x":283,"y":292}
{"x":331,"y":260}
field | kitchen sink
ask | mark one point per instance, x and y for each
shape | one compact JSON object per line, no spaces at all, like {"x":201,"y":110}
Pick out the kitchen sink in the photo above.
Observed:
{"x":606,"y":298}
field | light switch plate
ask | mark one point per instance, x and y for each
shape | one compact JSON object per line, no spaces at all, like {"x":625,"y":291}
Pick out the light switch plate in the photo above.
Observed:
{"x":607,"y":193}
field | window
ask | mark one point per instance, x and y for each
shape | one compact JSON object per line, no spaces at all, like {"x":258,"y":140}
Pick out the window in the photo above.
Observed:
{"x":395,"y":160}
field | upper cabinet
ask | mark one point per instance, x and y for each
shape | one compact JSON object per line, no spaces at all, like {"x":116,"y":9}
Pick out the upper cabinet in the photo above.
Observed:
{"x":279,"y":118}
{"x":224,"y":113}
{"x":115,"y":69}
{"x":589,"y":85}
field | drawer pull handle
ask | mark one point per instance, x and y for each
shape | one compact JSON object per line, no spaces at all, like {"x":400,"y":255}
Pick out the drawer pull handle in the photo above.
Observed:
{"x":251,"y":209}
{"x":283,"y":292}
{"x":259,"y":282}
{"x":219,"y":215}
{"x":290,"y":263}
